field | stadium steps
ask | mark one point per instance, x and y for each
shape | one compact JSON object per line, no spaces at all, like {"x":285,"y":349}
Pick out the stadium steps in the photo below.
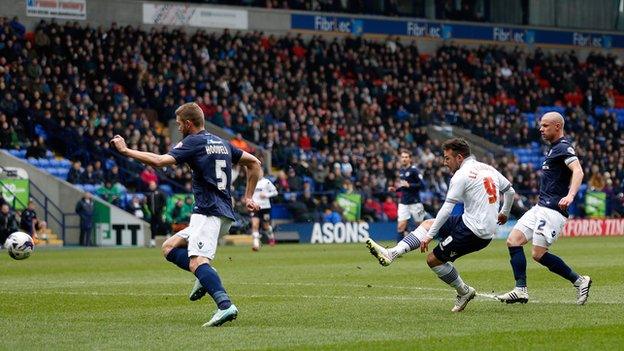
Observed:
{"x":237,"y":240}
{"x":48,"y":239}
{"x":480,"y":146}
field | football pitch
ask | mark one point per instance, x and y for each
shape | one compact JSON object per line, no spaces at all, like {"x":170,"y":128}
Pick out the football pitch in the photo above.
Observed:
{"x":306,"y":297}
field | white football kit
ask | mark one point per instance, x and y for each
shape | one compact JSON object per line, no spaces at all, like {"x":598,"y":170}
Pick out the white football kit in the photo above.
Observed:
{"x":267,"y":188}
{"x":478,"y":186}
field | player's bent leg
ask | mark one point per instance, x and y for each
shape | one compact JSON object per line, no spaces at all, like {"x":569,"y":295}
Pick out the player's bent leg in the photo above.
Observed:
{"x":517,"y":259}
{"x":411,"y":241}
{"x":448,"y":274}
{"x":174,"y":250}
{"x":401,"y":226}
{"x":255,"y":226}
{"x":198,"y":291}
{"x":379,"y":252}
{"x":222,"y":316}
{"x":583,"y":289}
{"x":210,"y":280}
{"x":556,"y":265}
{"x":516,"y":238}
{"x":268,"y":229}
{"x":537,"y":252}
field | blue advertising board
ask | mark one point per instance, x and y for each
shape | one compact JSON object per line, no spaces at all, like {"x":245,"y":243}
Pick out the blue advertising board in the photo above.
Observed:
{"x":356,"y":232}
{"x":445,"y":31}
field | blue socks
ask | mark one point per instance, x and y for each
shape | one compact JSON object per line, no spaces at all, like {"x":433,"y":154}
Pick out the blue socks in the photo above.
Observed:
{"x":210,"y":280}
{"x":207,"y":276}
{"x":518,"y":264}
{"x":179,"y":256}
{"x":556,"y":265}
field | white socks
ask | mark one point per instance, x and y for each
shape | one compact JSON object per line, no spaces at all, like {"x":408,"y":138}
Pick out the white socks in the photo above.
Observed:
{"x":448,"y":274}
{"x":410,"y":242}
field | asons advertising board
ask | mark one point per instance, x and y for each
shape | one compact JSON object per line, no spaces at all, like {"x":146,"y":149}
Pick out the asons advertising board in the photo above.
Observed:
{"x":358,"y":232}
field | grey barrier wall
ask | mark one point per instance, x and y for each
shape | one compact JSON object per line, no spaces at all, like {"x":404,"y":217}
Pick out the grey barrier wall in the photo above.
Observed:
{"x":65,"y":196}
{"x":594,"y":14}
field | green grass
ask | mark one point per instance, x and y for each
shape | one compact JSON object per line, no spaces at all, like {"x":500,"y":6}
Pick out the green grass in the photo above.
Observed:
{"x":306,"y":297}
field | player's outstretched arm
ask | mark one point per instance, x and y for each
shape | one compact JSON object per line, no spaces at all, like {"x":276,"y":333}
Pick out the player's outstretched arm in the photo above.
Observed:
{"x":575,"y":184}
{"x":148,"y":158}
{"x":254,"y":173}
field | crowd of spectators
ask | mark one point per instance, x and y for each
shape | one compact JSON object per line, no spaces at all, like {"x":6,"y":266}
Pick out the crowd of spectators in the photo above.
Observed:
{"x":332,"y":112}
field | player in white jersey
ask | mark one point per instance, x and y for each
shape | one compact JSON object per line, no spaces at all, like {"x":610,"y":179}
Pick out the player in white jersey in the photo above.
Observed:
{"x":265,"y":190}
{"x":478,"y":187}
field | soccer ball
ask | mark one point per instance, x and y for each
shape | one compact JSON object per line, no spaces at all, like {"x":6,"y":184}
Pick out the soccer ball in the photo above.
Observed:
{"x":19,"y":245}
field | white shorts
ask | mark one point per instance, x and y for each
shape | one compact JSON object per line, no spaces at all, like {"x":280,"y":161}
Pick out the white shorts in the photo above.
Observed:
{"x":412,"y":210}
{"x":541,"y":224}
{"x":203,"y":234}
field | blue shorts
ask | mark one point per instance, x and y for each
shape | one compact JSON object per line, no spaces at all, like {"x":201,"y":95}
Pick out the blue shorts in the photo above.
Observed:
{"x":456,"y":240}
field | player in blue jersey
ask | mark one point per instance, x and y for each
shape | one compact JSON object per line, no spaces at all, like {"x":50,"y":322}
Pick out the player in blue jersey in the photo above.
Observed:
{"x":210,"y":159}
{"x":562,"y":175}
{"x":410,"y":185}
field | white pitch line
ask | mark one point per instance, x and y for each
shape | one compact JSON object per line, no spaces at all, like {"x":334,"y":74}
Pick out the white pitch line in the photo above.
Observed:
{"x":336,"y":297}
{"x":485,"y":296}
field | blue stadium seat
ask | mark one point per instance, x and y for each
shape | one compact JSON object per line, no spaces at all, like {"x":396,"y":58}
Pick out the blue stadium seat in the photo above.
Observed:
{"x":33,"y":161}
{"x":530,"y":118}
{"x":89,"y":188}
{"x":166,"y":188}
{"x":79,"y":186}
{"x":17,"y":153}
{"x":63,"y":172}
{"x":599,"y":110}
{"x":44,"y":162}
{"x":543,"y":109}
{"x":65,"y":163}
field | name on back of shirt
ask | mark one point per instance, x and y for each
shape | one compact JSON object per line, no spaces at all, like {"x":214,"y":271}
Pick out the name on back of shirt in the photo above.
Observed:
{"x":216,"y":149}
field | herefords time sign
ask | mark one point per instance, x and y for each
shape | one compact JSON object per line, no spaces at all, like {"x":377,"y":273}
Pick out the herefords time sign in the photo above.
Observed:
{"x":593,"y":227}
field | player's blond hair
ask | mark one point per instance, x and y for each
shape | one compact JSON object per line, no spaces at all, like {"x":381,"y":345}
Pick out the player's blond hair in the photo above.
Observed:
{"x":191,"y":112}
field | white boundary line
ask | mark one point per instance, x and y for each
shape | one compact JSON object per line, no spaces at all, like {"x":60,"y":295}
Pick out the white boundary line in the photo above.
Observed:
{"x":484,"y":296}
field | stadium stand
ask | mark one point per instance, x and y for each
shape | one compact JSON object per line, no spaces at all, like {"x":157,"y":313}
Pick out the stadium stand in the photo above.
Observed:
{"x":331,"y":111}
